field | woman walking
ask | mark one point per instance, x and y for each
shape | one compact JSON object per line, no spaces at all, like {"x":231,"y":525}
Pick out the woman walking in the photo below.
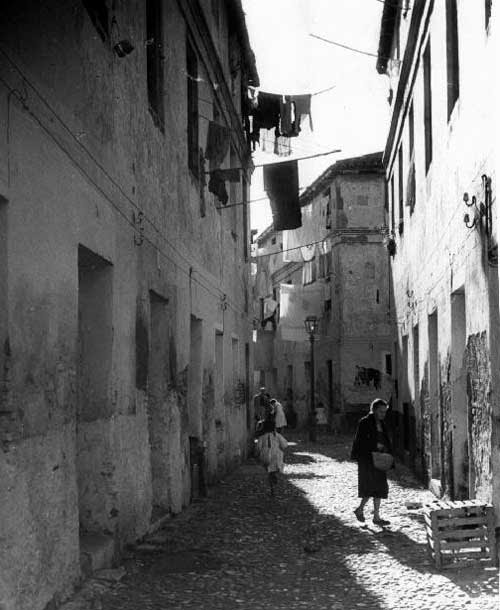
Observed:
{"x":279,"y":415}
{"x":371,"y":436}
{"x":270,"y":447}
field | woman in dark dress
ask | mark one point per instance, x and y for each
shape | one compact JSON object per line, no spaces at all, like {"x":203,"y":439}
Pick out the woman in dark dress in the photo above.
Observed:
{"x":371,"y":435}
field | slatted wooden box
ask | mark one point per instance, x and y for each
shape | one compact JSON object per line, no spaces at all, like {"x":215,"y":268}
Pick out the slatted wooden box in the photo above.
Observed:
{"x":460,"y":533}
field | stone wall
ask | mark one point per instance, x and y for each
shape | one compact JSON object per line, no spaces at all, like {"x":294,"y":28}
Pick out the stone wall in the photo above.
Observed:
{"x":111,"y":250}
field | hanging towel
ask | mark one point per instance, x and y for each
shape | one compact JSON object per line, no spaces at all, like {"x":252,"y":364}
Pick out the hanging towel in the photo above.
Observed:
{"x":282,"y":146}
{"x":281,"y":182}
{"x":302,"y":109}
{"x":217,"y":146}
{"x":217,"y":186}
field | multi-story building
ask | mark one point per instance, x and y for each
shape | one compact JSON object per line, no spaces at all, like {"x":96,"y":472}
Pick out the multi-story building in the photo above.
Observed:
{"x":441,"y":184}
{"x":124,"y":326}
{"x":337,"y":265}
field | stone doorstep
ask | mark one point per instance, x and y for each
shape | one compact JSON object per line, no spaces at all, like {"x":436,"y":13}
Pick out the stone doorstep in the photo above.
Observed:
{"x":97,"y":552}
{"x":157,"y":523}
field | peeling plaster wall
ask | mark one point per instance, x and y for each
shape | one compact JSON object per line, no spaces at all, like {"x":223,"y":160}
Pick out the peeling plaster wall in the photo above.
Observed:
{"x":437,"y":256}
{"x":70,"y":462}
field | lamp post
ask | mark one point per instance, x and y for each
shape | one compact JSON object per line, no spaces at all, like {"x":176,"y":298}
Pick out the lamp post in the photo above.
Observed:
{"x":312,"y":324}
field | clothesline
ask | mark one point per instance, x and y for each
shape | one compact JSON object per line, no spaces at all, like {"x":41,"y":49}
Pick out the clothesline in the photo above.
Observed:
{"x":333,"y":233}
{"x":280,"y":93}
{"x":349,"y":48}
{"x":260,"y":199}
{"x":322,"y":154}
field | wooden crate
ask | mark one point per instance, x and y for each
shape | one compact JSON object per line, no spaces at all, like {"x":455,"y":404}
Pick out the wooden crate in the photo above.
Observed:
{"x":460,"y":533}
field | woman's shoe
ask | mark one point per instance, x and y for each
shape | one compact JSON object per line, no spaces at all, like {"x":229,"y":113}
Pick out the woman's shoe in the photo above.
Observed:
{"x":359,"y":515}
{"x":379,"y":521}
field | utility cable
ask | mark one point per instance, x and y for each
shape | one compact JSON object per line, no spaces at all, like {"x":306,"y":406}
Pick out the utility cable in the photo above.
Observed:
{"x":91,"y":156}
{"x":322,"y":154}
{"x":344,"y":46}
{"x":118,"y":209}
{"x":335,"y":233}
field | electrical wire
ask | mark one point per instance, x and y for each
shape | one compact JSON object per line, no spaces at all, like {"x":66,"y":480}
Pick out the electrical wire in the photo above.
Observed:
{"x":344,"y":46}
{"x":117,"y":208}
{"x":335,"y":233}
{"x":313,"y":156}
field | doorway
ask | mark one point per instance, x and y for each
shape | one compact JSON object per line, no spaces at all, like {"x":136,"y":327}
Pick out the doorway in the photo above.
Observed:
{"x":434,"y":396}
{"x":157,"y":389}
{"x":459,"y":397}
{"x":95,"y":336}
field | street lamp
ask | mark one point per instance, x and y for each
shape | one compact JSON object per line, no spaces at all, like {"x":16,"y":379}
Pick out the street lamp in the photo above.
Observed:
{"x":312,"y":325}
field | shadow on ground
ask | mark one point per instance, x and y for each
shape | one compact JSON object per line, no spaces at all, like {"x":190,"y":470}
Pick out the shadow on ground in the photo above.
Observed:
{"x":241,"y":548}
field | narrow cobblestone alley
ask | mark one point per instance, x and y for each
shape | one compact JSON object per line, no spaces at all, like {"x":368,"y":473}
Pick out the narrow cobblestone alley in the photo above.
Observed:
{"x":243,"y":549}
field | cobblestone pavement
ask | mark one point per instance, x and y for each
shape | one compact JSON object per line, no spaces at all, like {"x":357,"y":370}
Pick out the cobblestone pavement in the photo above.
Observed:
{"x":242,"y":549}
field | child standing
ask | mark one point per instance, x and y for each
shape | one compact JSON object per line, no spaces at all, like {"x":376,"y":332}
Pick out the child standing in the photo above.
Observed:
{"x":270,"y":447}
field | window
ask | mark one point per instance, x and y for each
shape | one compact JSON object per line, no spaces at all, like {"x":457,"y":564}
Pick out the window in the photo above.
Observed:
{"x":98,"y":13}
{"x":452,"y":54}
{"x":411,"y":130}
{"x":192,"y":102}
{"x":427,"y":106}
{"x":400,"y":189}
{"x":416,"y":363}
{"x":388,"y":364}
{"x":235,"y":349}
{"x":245,"y":219}
{"x":392,"y":203}
{"x":154,"y":46}
{"x":309,"y":272}
{"x":328,"y":305}
{"x":410,"y":183}
{"x":328,"y":221}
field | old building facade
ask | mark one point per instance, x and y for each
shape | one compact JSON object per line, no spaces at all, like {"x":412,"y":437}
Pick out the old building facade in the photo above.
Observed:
{"x":441,"y":182}
{"x":337,"y":264}
{"x":124,"y":324}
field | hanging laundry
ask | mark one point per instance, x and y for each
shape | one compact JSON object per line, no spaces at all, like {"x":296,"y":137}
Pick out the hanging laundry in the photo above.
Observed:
{"x":296,"y":303}
{"x":217,"y":186}
{"x":229,"y":175}
{"x":282,"y":146}
{"x":270,"y":313}
{"x":296,"y":243}
{"x":267,"y":113}
{"x":288,"y":123}
{"x":218,"y":138}
{"x":281,"y":182}
{"x":302,"y":109}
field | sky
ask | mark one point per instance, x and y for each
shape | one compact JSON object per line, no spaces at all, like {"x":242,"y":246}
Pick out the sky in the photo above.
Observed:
{"x":354,"y":115}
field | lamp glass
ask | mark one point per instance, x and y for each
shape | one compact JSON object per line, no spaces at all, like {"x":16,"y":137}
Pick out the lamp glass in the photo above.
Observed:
{"x":311,"y":324}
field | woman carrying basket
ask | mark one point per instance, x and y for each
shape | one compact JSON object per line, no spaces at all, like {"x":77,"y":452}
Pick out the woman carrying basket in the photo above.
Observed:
{"x":373,"y":451}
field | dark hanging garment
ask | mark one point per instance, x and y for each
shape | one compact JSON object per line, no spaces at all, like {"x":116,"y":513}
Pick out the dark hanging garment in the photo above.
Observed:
{"x":281,"y":182}
{"x":217,"y":186}
{"x":231,"y":175}
{"x":302,"y":109}
{"x":288,"y":121}
{"x":267,"y":113}
{"x":217,"y":144}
